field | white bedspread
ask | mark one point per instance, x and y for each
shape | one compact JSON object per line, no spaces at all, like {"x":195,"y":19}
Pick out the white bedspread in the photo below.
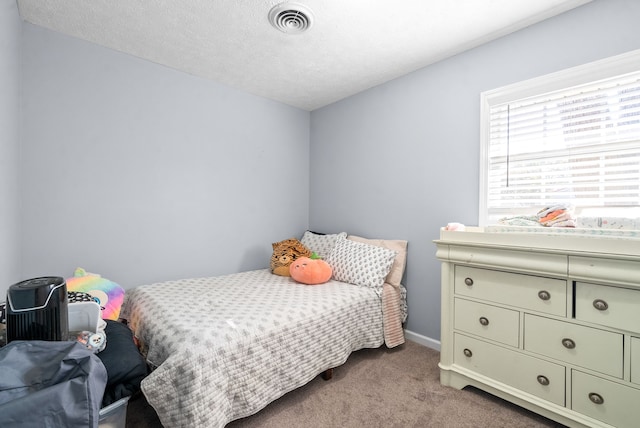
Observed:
{"x":227,"y":346}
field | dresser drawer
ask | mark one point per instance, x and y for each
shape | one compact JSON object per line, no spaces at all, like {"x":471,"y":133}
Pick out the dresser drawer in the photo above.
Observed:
{"x":593,"y":348}
{"x":537,"y":377}
{"x":606,"y":269}
{"x":547,"y":295}
{"x":635,"y":360}
{"x":610,"y":306}
{"x":490,"y":322}
{"x":614,"y":403}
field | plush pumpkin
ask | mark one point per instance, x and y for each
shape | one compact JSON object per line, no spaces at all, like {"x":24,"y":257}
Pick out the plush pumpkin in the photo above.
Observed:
{"x":310,"y":271}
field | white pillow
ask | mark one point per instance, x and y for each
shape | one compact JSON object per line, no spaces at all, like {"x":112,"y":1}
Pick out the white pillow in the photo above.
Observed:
{"x":359,"y":263}
{"x":321,"y":244}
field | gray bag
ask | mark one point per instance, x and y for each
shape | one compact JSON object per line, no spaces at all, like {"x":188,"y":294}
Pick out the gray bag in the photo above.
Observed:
{"x":50,"y":384}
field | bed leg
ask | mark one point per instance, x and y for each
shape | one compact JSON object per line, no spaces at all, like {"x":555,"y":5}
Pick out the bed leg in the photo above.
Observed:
{"x":327,"y":374}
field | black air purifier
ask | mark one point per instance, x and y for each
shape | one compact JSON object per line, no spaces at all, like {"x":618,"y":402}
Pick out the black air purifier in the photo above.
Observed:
{"x":37,"y":309}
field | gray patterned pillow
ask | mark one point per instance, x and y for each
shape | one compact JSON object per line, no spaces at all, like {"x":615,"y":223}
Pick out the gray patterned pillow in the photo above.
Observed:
{"x":320,"y":243}
{"x":400,"y":246}
{"x":359,"y":263}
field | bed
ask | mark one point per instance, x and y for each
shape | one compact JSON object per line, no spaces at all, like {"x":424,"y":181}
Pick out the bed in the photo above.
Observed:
{"x":224,"y":347}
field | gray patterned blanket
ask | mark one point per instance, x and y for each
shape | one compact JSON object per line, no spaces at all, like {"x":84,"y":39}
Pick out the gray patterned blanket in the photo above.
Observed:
{"x":227,"y":346}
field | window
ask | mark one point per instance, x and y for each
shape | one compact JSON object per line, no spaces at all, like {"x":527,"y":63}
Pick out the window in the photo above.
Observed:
{"x":569,"y":137}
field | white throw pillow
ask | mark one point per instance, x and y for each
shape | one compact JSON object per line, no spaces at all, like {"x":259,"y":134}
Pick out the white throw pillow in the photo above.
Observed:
{"x":321,"y":244}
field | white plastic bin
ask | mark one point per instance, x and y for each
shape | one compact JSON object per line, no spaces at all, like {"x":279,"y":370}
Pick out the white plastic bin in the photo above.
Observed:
{"x":114,"y":415}
{"x":84,"y":316}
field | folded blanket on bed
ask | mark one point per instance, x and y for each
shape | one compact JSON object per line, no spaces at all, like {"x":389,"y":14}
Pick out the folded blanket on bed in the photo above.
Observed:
{"x":392,"y":315}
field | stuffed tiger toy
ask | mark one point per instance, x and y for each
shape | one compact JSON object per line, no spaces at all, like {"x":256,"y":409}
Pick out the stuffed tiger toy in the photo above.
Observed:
{"x":286,"y":252}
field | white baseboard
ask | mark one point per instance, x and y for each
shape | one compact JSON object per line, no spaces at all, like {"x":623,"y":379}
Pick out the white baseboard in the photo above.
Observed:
{"x":422,"y":340}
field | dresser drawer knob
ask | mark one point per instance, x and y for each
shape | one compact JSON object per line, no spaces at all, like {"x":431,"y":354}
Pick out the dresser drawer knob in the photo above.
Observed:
{"x":543,"y":380}
{"x":484,"y":321}
{"x":544,"y":295}
{"x":467,"y":352}
{"x":600,"y":305}
{"x":596,"y":398}
{"x":568,"y":343}
{"x":468,"y":281}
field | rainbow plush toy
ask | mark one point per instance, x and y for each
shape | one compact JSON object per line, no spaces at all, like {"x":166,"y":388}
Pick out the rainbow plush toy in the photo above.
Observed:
{"x":108,"y":294}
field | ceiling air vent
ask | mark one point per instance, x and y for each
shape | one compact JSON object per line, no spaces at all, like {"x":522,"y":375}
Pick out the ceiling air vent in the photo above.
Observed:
{"x":291,"y":18}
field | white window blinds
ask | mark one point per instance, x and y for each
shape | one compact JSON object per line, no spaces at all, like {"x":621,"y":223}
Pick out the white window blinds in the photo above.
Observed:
{"x":577,"y":145}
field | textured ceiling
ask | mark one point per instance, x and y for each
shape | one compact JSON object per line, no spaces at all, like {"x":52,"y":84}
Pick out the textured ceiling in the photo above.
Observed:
{"x":352,"y":45}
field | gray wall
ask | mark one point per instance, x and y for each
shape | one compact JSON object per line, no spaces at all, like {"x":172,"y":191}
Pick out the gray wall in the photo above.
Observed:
{"x":9,"y":144}
{"x":142,"y":173}
{"x":402,"y":160}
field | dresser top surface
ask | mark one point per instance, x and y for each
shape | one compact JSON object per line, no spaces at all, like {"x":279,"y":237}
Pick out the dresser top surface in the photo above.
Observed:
{"x":578,"y":244}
